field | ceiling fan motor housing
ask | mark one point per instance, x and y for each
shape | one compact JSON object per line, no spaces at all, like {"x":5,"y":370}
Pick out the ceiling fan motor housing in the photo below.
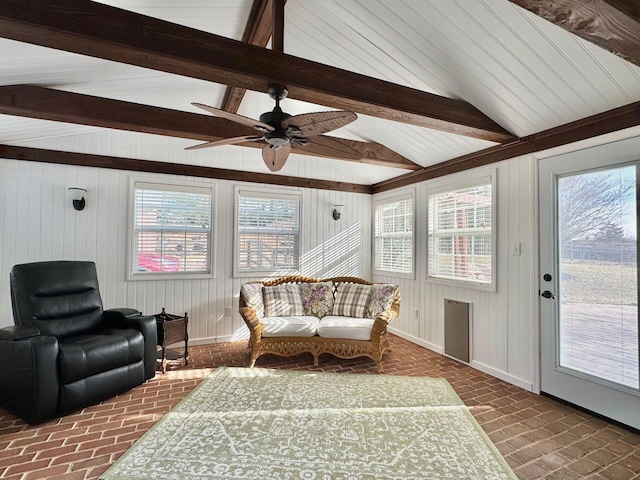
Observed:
{"x":278,"y":137}
{"x":274,"y":117}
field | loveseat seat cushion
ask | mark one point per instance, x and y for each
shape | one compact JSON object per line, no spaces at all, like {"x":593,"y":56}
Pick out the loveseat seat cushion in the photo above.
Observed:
{"x":85,"y":355}
{"x":291,"y":326}
{"x":352,"y":328}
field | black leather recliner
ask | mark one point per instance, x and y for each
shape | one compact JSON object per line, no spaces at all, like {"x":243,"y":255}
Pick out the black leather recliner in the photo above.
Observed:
{"x":65,"y":352}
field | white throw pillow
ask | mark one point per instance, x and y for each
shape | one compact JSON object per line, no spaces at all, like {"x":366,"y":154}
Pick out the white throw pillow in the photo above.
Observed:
{"x":252,"y":293}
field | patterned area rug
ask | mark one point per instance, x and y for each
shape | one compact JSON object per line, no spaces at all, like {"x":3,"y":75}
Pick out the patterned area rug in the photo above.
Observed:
{"x":242,"y":423}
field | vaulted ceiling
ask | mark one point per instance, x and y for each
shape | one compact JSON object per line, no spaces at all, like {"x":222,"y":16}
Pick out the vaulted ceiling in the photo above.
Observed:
{"x":437,"y":86}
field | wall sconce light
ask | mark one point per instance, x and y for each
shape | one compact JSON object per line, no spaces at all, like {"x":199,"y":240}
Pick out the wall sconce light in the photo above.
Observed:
{"x":337,"y":211}
{"x":78,"y":197}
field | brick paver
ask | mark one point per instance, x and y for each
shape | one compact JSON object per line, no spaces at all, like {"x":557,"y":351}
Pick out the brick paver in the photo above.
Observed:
{"x":539,"y":437}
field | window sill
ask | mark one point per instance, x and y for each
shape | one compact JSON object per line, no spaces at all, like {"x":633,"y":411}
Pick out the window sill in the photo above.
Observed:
{"x":266,"y":273}
{"x":387,"y":273}
{"x":466,"y":284}
{"x":169,"y":276}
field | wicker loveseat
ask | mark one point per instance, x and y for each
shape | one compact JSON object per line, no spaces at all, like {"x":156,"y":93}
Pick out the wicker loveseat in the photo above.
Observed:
{"x":337,"y":324}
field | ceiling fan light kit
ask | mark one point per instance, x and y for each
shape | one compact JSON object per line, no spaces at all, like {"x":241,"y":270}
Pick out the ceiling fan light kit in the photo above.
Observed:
{"x":282,"y":131}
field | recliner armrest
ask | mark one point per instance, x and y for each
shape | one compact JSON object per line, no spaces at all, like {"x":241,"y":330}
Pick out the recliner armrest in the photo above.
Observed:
{"x":122,"y":312}
{"x":146,"y":324}
{"x":29,"y":377}
{"x":18,"y":332}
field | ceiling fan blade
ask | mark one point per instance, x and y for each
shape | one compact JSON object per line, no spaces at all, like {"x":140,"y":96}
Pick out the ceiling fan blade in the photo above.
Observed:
{"x":275,"y":158}
{"x":311,"y":124}
{"x":329,"y":147}
{"x":258,"y":125}
{"x":226,"y":141}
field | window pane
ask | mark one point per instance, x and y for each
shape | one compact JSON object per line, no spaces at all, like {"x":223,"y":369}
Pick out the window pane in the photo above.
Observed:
{"x":394,"y":236}
{"x":460,"y":234}
{"x":598,"y":290}
{"x":171,"y":230}
{"x":268,"y":232}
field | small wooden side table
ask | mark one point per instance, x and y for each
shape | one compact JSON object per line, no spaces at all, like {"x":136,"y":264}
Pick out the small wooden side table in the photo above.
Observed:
{"x":172,"y":329}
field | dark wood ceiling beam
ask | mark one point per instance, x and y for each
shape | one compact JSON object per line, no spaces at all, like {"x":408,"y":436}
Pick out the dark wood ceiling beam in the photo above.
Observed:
{"x":611,"y":24}
{"x":259,"y":24}
{"x":98,"y":30}
{"x":257,"y":32}
{"x":372,"y":154}
{"x":596,"y":125}
{"x":277,"y":34}
{"x":60,"y":106}
{"x":49,"y":104}
{"x":119,"y":163}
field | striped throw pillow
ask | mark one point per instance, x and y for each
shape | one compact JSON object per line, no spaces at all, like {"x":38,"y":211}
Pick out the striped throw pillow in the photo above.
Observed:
{"x":352,"y":300}
{"x":282,"y":300}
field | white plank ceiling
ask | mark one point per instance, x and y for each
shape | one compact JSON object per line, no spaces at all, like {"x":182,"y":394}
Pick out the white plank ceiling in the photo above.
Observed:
{"x":526,"y":74}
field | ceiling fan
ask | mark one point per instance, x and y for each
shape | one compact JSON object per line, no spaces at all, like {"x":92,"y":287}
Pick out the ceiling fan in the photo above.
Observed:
{"x":282,"y":131}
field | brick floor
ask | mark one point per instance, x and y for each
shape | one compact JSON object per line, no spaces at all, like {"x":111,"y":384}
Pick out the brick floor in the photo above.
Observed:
{"x":539,"y":438}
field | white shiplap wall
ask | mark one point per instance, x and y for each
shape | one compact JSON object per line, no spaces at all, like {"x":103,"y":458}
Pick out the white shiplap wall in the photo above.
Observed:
{"x":504,"y":322}
{"x":38,"y":222}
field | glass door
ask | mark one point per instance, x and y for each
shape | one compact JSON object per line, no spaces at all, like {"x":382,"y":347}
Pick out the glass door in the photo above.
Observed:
{"x":589,"y":284}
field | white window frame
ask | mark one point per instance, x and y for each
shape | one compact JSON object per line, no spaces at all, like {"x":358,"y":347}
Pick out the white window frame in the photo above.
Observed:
{"x":378,"y":206}
{"x":270,"y":195}
{"x":187,"y":187}
{"x":484,"y":178}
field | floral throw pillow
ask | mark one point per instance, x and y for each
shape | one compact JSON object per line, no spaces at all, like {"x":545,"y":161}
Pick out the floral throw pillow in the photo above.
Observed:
{"x":351,"y":300}
{"x":317,"y":298}
{"x":282,"y":300}
{"x":252,"y":293}
{"x":381,"y":298}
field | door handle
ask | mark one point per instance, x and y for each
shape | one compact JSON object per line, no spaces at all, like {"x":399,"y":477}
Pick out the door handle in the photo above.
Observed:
{"x":548,"y":294}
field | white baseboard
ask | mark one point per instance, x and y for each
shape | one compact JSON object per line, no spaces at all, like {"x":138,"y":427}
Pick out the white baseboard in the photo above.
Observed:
{"x":211,"y":340}
{"x":494,"y":372}
{"x":416,"y":340}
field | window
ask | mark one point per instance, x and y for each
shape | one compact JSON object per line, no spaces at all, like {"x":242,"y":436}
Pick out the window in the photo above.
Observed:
{"x":461,"y":233}
{"x":267,"y":231}
{"x":393,"y":235}
{"x":170,"y":231}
